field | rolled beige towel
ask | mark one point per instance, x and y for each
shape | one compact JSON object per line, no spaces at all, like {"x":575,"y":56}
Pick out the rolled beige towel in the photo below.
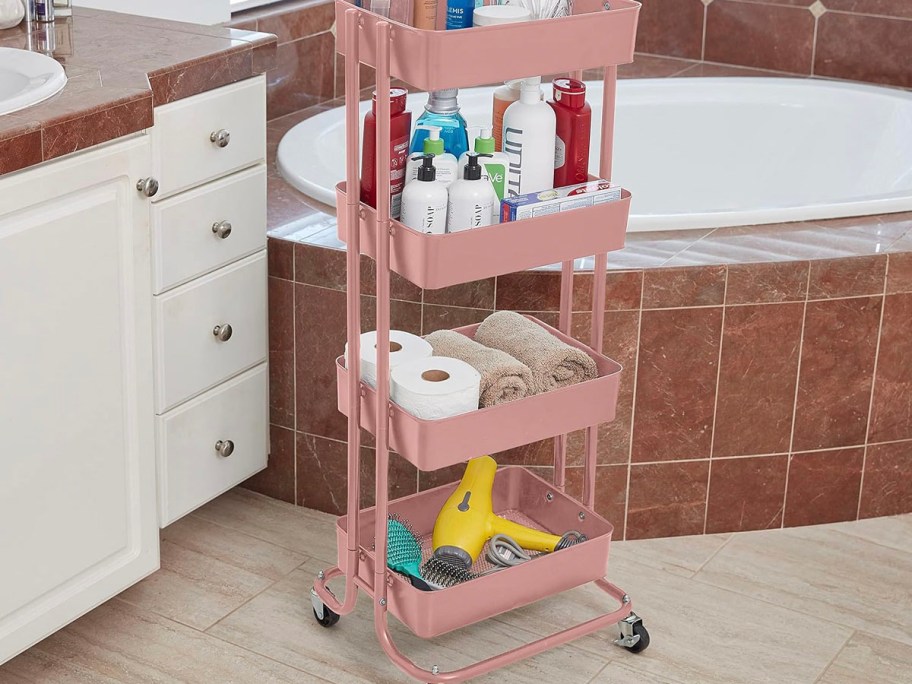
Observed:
{"x":554,"y":364}
{"x":503,"y":378}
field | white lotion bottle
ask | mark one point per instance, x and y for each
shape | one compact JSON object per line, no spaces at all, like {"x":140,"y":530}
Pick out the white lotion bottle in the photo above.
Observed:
{"x":424,"y":202}
{"x":494,"y":164}
{"x":529,"y":131}
{"x":444,"y":162}
{"x":472,"y":202}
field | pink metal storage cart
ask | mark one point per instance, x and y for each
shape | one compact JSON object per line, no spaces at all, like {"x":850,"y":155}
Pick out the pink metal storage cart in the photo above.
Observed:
{"x":598,"y":34}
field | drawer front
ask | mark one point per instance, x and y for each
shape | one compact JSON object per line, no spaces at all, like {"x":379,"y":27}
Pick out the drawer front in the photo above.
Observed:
{"x":196,"y":462}
{"x":191,"y":355}
{"x":185,"y":149}
{"x":203,"y":229}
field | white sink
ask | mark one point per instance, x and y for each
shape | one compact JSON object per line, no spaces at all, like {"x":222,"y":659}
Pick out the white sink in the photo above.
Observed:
{"x":27,"y":78}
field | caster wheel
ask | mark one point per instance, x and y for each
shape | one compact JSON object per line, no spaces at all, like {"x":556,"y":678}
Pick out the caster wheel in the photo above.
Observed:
{"x":641,"y":645}
{"x":328,"y":619}
{"x":633,"y":636}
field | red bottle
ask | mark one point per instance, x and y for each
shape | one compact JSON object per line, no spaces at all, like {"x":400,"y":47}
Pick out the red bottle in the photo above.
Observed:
{"x":574,"y":121}
{"x":400,"y":132}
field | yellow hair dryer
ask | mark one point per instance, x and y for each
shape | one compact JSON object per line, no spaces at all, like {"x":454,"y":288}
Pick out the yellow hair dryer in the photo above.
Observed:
{"x":467,"y":519}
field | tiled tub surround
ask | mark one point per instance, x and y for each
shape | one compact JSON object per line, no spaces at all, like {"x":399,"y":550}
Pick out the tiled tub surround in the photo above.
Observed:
{"x":119,"y":67}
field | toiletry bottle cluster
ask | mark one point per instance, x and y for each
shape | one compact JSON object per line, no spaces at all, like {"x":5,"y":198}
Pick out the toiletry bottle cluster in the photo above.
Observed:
{"x":462,"y":14}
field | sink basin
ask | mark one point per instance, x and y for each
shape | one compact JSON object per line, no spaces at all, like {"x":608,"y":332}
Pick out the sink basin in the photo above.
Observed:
{"x":27,"y":78}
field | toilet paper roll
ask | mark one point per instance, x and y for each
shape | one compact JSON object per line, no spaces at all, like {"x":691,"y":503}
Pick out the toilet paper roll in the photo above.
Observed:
{"x":438,"y":387}
{"x":403,"y":347}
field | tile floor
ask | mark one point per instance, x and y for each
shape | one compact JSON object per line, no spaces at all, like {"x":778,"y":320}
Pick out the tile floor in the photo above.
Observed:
{"x":231,"y":605}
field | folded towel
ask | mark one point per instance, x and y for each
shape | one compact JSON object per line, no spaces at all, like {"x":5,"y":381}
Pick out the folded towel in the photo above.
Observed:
{"x":554,"y":364}
{"x":503,"y":378}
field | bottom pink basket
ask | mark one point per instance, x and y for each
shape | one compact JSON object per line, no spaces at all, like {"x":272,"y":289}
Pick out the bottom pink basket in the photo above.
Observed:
{"x":519,"y":495}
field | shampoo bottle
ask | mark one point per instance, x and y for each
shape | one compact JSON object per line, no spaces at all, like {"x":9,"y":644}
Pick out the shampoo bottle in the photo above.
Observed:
{"x":504,"y":96}
{"x":528,"y":141}
{"x":424,"y":202}
{"x":442,"y":109}
{"x":574,"y":122}
{"x":444,"y":162}
{"x":400,"y":127}
{"x":472,"y":201}
{"x":494,"y":164}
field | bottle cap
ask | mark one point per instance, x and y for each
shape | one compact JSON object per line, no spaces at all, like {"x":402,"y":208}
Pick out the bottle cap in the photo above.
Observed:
{"x":443,"y":101}
{"x":569,"y":92}
{"x":484,"y":143}
{"x":500,"y":14}
{"x":427,"y":171}
{"x":397,"y":100}
{"x":433,"y":144}
{"x":473,"y":168}
{"x":531,"y":89}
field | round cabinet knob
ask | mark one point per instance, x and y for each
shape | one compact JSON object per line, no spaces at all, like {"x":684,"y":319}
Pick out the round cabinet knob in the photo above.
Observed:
{"x":222,"y":229}
{"x":147,"y":186}
{"x":220,"y":138}
{"x":222,"y":332}
{"x":224,"y":448}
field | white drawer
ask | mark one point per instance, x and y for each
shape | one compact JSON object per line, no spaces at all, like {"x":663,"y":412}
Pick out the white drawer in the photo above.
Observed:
{"x":189,"y":356}
{"x":183,"y":151}
{"x":203,"y":229}
{"x":191,"y":469}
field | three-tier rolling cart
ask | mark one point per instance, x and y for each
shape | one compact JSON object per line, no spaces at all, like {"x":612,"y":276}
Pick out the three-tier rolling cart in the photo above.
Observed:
{"x":597,"y":34}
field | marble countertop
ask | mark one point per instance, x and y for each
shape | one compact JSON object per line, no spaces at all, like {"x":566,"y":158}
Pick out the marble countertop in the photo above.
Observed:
{"x":119,"y":67}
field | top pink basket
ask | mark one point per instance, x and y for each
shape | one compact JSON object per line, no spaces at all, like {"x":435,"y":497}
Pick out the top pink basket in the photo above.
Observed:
{"x":433,"y":60}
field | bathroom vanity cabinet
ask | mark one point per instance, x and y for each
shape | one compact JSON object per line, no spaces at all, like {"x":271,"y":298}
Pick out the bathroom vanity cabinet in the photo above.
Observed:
{"x":133,"y":347}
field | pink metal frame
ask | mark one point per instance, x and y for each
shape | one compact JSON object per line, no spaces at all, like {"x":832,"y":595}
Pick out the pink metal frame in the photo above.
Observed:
{"x":378,"y":588}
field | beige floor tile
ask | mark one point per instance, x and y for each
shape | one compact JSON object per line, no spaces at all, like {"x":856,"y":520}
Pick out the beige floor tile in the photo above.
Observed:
{"x":279,"y":623}
{"x":895,"y":532}
{"x":698,"y":633}
{"x":194,"y":589}
{"x":820,"y":572}
{"x":120,"y":643}
{"x":232,"y":547}
{"x":616,"y":672}
{"x":298,"y":529}
{"x":868,"y":658}
{"x":679,"y":555}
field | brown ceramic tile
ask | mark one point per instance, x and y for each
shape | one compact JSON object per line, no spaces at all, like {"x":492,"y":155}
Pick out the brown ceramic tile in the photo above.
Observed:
{"x":478,"y":294}
{"x":823,"y":487}
{"x":292,"y":23}
{"x":891,"y":414}
{"x":436,"y":478}
{"x":855,"y":276}
{"x":400,"y":288}
{"x":889,"y":8}
{"x":281,"y":353}
{"x":436,"y":317}
{"x":837,"y":367}
{"x":710,"y":70}
{"x":303,"y":75}
{"x":315,"y":265}
{"x":528,"y":291}
{"x":757,"y":379}
{"x":899,"y":272}
{"x":647,"y":66}
{"x":671,"y":27}
{"x":667,"y":499}
{"x":782,"y":281}
{"x":777,"y":37}
{"x":284,"y":205}
{"x":403,"y":477}
{"x":19,"y":152}
{"x":170,"y":84}
{"x":70,"y":136}
{"x":863,"y":48}
{"x":539,"y":453}
{"x":366,"y":78}
{"x":278,"y":480}
{"x":676,"y":384}
{"x":281,"y":258}
{"x":746,"y":494}
{"x":623,"y":290}
{"x":610,"y":493}
{"x":263,"y":58}
{"x":690,"y":286}
{"x":243,"y":23}
{"x":887,"y":485}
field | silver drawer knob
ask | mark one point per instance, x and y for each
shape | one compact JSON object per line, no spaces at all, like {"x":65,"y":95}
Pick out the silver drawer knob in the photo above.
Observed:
{"x":220,"y":138}
{"x":222,"y":229}
{"x":147,"y":186}
{"x":224,"y":448}
{"x":222,"y":332}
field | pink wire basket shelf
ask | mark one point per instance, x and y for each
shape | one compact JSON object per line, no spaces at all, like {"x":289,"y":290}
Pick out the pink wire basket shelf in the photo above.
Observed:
{"x":518,"y":495}
{"x":433,"y":444}
{"x":432,"y":60}
{"x":435,"y":261}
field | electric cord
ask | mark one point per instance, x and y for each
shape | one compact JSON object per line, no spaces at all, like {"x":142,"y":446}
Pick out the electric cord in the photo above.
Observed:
{"x":503,"y":551}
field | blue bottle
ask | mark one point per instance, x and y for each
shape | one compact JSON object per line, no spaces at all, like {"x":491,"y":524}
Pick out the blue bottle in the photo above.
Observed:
{"x":459,"y":14}
{"x":442,"y":110}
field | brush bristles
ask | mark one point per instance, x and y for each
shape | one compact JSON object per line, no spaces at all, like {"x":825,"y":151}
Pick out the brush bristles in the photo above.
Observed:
{"x":441,"y":575}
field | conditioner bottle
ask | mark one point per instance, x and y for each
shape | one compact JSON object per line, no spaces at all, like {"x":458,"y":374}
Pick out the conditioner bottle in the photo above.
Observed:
{"x":528,"y":141}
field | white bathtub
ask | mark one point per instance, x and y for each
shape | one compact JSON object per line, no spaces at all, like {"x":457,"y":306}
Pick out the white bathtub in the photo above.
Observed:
{"x":706,"y":152}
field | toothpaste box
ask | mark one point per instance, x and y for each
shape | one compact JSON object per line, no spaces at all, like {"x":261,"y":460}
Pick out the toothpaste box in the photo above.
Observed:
{"x":559,"y":199}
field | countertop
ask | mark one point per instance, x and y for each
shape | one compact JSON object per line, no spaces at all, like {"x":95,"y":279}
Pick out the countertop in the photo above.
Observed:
{"x":119,"y":67}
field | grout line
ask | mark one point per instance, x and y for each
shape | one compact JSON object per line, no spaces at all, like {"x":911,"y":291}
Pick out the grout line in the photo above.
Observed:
{"x":599,"y":673}
{"x":636,"y":369}
{"x":868,"y":540}
{"x":715,"y":553}
{"x":788,"y":463}
{"x":712,"y":434}
{"x":814,"y":45}
{"x":703,"y":37}
{"x":836,"y":656}
{"x":864,"y":458}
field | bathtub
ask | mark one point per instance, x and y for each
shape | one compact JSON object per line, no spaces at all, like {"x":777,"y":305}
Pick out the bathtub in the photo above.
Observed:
{"x":706,"y":152}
